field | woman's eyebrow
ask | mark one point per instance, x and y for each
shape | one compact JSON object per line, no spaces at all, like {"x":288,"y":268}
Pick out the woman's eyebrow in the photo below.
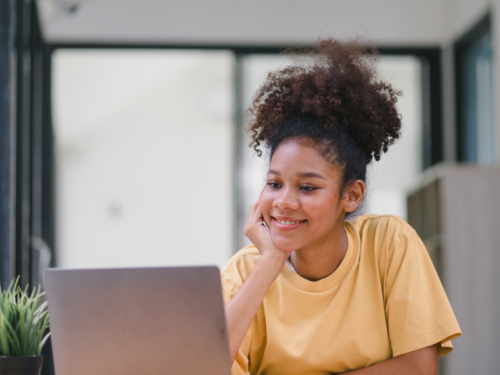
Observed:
{"x":301,"y":175}
{"x":311,"y":174}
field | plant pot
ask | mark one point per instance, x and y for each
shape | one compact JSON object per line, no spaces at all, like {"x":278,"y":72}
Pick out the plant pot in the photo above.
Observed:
{"x":20,"y":365}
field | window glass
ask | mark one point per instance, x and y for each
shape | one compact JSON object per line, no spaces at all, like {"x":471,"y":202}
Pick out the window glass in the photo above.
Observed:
{"x":143,"y":157}
{"x":398,"y":170}
{"x":475,"y":109}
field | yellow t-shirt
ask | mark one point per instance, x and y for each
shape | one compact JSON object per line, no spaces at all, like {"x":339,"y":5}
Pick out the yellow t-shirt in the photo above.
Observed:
{"x":385,"y":299}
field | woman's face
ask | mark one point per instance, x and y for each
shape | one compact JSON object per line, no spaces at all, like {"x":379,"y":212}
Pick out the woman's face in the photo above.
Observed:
{"x":301,"y":199}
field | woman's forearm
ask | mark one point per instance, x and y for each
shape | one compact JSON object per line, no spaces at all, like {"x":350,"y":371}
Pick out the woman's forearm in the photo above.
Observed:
{"x":241,"y":310}
{"x":420,"y":362}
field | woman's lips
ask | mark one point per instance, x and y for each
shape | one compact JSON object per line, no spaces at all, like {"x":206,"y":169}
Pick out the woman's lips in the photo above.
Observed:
{"x":287,"y":225}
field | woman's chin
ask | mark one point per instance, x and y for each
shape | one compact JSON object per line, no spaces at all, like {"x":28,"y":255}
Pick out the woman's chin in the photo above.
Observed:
{"x":285,"y":243}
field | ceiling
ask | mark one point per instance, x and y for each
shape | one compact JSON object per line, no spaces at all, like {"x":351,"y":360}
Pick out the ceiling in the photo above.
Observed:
{"x":240,"y":22}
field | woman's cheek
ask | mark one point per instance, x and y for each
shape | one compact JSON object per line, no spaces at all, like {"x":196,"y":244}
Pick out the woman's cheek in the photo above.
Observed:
{"x":265,"y":202}
{"x":322,"y":216}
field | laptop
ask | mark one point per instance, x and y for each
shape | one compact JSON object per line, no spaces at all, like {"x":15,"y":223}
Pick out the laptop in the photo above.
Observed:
{"x":147,"y":321}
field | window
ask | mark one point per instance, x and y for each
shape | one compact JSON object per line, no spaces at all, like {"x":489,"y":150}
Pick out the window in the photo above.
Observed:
{"x":143,"y":153}
{"x":474,"y":95}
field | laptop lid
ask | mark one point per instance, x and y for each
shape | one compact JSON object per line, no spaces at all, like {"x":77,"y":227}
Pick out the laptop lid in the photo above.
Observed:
{"x":147,"y":321}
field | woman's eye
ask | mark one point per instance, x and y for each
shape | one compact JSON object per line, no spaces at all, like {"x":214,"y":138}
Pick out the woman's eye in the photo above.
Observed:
{"x":307,"y":188}
{"x":273,"y":185}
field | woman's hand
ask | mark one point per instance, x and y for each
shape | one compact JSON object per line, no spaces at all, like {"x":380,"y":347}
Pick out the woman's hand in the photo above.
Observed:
{"x":261,"y":238}
{"x":241,"y":310}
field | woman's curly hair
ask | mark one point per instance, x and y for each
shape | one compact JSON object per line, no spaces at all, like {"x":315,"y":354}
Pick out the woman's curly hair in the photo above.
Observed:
{"x":332,"y":96}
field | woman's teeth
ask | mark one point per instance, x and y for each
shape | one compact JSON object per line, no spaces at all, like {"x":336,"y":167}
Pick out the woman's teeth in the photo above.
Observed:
{"x":288,"y":222}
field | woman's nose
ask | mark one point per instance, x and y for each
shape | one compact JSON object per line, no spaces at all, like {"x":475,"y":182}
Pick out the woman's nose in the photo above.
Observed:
{"x":286,"y":200}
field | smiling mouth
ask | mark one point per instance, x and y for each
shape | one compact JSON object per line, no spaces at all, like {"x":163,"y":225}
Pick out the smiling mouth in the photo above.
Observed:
{"x":283,"y":222}
{"x":287,"y":224}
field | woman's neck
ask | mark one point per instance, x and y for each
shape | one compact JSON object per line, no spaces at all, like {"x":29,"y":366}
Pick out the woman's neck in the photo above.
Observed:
{"x":319,"y":260}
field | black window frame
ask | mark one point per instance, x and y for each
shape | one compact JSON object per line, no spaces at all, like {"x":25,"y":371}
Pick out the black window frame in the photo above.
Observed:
{"x":26,"y":149}
{"x":7,"y":139}
{"x":26,"y":161}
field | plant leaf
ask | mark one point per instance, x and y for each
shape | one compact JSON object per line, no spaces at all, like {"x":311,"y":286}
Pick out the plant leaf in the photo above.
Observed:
{"x":23,"y":321}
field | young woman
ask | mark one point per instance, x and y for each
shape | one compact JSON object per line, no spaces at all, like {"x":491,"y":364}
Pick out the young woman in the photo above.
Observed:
{"x":316,"y":294}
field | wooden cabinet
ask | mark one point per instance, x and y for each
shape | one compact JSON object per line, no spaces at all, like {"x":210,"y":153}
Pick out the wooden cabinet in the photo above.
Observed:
{"x":456,"y":212}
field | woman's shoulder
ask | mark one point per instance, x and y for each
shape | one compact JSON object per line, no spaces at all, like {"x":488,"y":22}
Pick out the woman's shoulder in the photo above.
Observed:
{"x":241,"y":264}
{"x":385,"y":236}
{"x":389,"y":225}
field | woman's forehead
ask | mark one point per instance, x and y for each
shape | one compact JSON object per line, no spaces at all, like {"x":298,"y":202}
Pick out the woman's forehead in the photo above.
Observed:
{"x":301,"y":156}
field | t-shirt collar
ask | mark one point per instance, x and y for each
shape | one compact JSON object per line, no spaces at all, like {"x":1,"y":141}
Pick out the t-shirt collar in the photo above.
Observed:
{"x":334,"y":278}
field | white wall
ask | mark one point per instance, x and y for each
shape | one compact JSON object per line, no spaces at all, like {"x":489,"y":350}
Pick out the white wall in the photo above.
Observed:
{"x":460,"y":15}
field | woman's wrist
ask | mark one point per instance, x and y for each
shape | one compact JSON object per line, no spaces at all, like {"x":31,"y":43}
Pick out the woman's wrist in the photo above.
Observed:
{"x":270,"y":265}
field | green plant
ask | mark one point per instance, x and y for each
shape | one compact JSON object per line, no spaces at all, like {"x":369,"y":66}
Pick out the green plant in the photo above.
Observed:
{"x":23,"y":321}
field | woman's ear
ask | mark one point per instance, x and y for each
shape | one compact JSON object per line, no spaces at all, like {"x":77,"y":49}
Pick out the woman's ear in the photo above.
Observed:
{"x":353,"y":195}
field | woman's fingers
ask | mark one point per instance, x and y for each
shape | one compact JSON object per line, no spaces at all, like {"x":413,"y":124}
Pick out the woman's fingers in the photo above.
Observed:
{"x":255,"y":215}
{"x":251,"y":214}
{"x":254,"y":222}
{"x":258,"y":214}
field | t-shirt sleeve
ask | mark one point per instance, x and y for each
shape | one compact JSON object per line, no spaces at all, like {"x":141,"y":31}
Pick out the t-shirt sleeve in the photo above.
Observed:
{"x":241,"y":363}
{"x":417,"y":308}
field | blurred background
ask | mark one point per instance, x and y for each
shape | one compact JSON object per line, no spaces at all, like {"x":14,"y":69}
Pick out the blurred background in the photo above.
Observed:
{"x":122,"y":139}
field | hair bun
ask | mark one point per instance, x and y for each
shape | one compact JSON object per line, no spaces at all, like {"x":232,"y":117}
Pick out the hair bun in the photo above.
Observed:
{"x":337,"y":85}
